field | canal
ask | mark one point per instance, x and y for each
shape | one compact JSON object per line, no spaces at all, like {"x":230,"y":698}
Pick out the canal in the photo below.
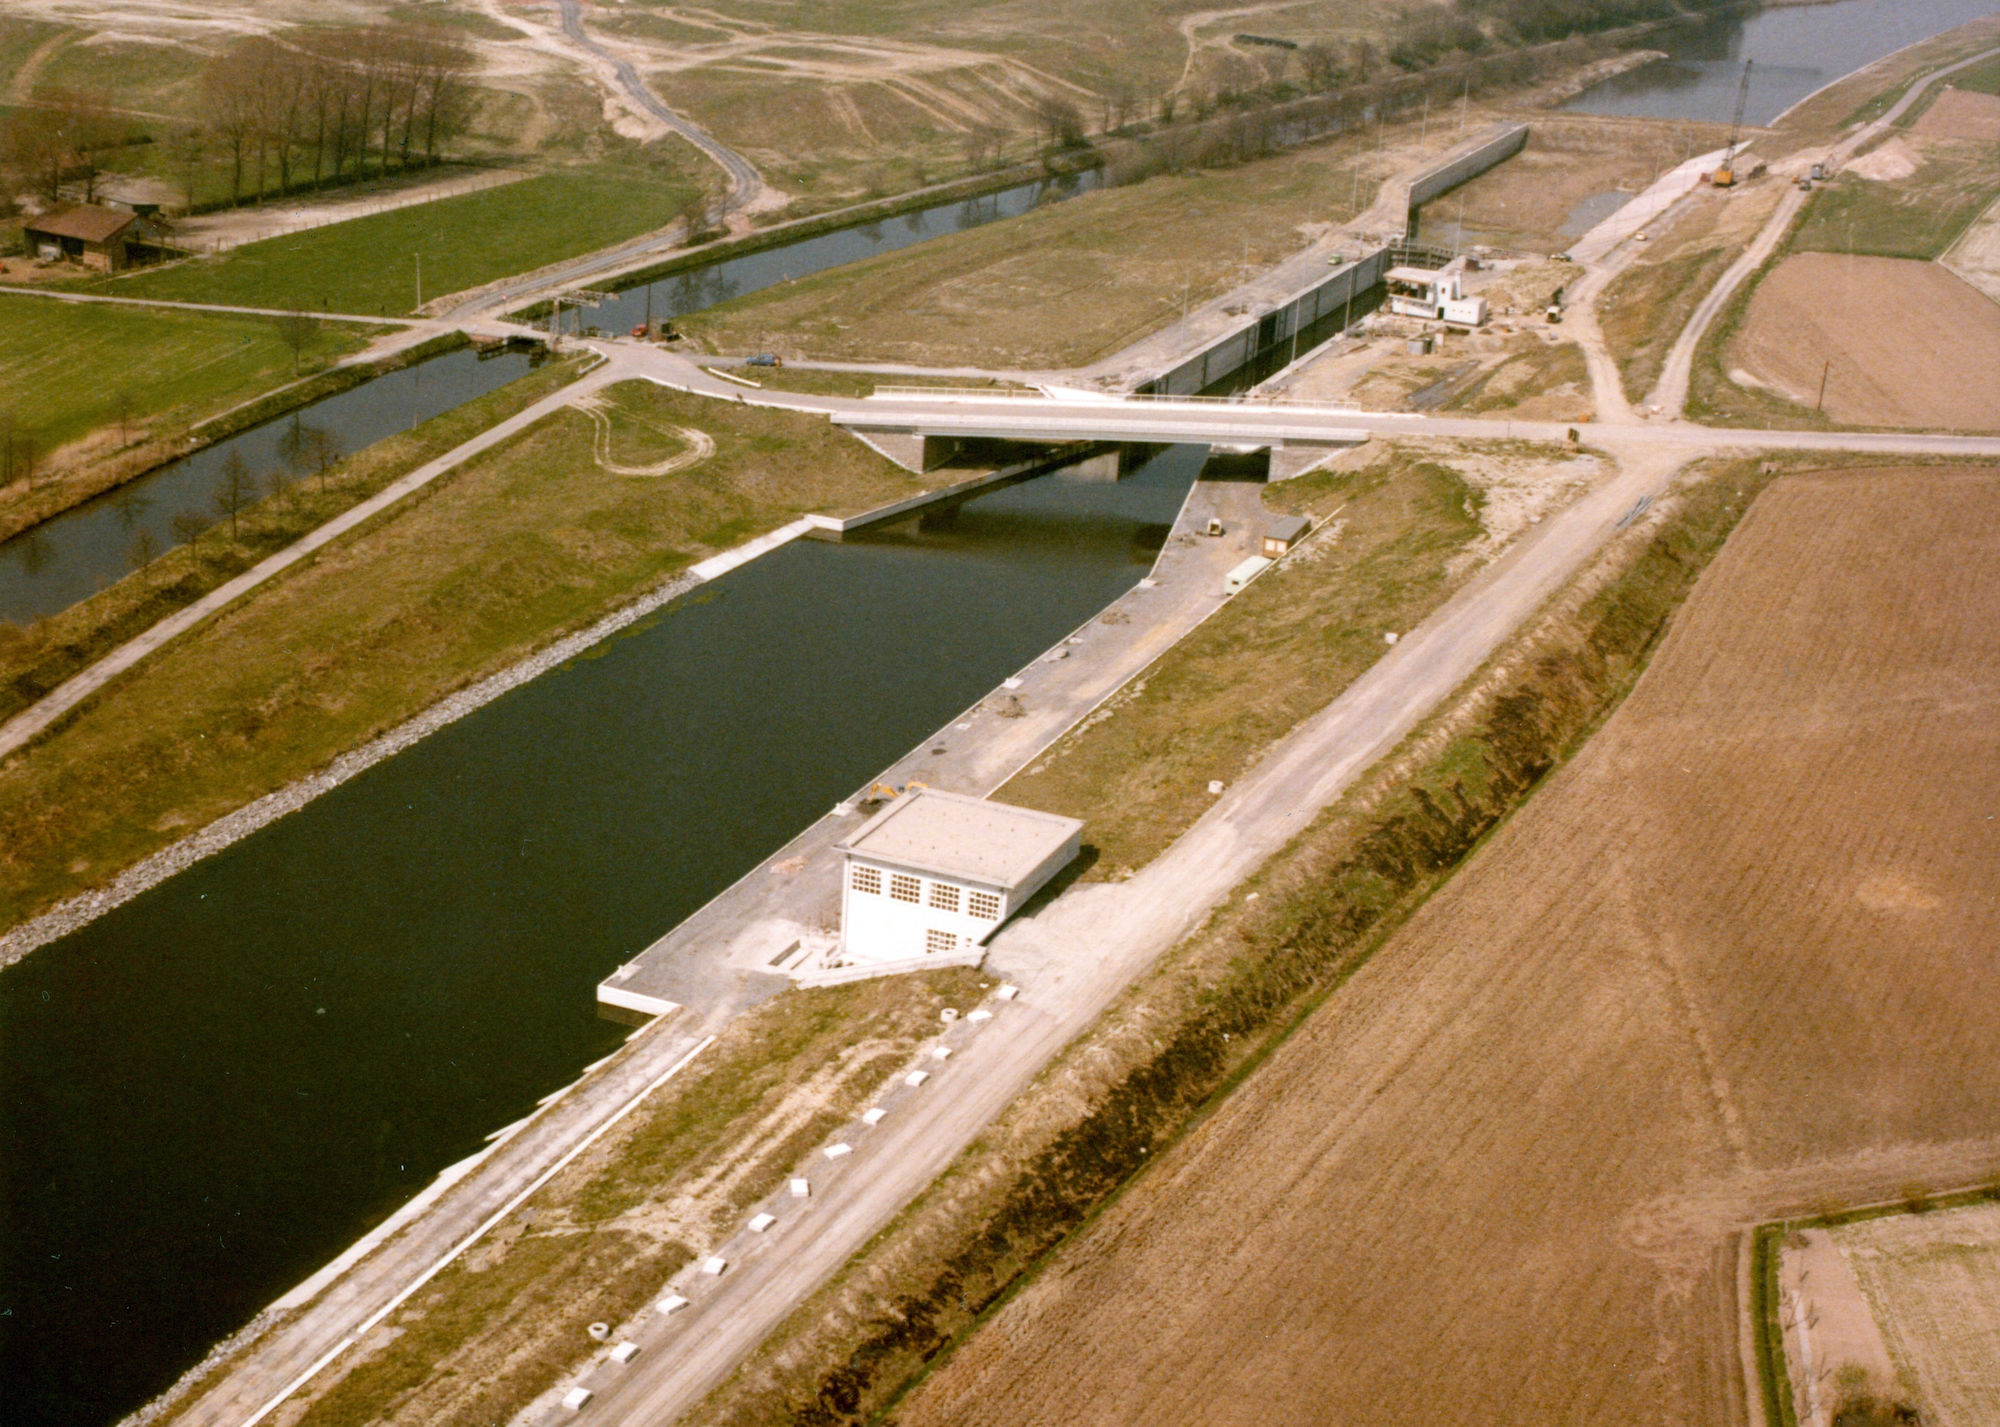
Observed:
{"x":719,"y":282}
{"x":210,"y":1091}
{"x":1795,"y":49}
{"x":51,"y":566}
{"x":71,"y":556}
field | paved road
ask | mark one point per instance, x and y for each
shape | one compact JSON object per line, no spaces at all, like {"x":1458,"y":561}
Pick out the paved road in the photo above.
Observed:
{"x":746,"y":185}
{"x":1074,"y":957}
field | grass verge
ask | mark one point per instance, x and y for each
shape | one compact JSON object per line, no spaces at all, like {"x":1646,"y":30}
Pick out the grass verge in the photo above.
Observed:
{"x":1140,"y":767}
{"x":1225,"y":998}
{"x":35,"y":660}
{"x":376,"y":265}
{"x":526,"y":541}
{"x":507,"y":1321}
{"x":1647,"y":306}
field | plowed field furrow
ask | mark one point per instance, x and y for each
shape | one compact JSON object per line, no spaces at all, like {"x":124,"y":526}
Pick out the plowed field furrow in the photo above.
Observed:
{"x":1742,"y":951}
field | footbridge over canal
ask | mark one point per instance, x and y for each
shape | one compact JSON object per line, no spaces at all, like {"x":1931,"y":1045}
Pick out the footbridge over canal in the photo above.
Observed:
{"x":923,"y":428}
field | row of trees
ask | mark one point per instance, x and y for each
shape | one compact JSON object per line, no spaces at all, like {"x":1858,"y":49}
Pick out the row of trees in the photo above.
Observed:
{"x":320,"y":105}
{"x":63,"y":135}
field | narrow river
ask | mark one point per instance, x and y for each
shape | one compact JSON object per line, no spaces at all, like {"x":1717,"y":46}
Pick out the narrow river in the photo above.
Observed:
{"x":209,"y":1092}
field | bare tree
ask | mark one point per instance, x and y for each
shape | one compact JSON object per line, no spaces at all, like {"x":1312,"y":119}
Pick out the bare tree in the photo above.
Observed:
{"x":190,"y":525}
{"x":309,"y":450}
{"x":144,"y":549}
{"x":1321,"y":66}
{"x":234,"y":492}
{"x":1060,"y":123}
{"x":296,"y":330}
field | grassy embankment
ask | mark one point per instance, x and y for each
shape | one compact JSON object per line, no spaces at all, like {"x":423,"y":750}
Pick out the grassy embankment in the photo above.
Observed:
{"x":489,"y":562}
{"x":507,"y":1321}
{"x":1139,"y":768}
{"x":1220,"y":1002}
{"x":368,"y":266}
{"x":1648,"y":305}
{"x":1058,"y":286}
{"x":1915,"y":217}
{"x":129,"y":382}
{"x":35,"y":660}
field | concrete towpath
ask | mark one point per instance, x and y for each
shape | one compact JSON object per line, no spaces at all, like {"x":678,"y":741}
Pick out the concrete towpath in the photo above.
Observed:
{"x":24,"y":726}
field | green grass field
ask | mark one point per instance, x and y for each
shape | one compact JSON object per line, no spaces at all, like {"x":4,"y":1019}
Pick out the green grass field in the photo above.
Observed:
{"x":524,"y":541}
{"x":369,"y":266}
{"x":1915,"y":217}
{"x":66,"y":368}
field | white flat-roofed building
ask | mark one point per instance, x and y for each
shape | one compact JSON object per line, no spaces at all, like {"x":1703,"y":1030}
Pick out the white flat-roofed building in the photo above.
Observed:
{"x":935,"y":874}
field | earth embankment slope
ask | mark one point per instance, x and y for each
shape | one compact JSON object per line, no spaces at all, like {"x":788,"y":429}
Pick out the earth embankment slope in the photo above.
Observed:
{"x":1736,"y":957}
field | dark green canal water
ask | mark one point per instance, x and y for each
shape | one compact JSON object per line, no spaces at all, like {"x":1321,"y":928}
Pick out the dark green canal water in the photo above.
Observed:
{"x":210,"y":1091}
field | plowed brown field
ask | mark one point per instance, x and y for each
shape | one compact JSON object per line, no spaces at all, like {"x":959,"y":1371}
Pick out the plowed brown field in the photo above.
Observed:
{"x":1740,"y":957}
{"x":1910,"y":343}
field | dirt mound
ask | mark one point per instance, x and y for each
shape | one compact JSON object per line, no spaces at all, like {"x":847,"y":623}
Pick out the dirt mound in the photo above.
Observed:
{"x":1963,"y":114}
{"x":1910,"y":344}
{"x":1495,"y":1178}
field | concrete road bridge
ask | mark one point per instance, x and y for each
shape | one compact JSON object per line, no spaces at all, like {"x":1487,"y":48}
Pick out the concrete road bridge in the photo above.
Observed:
{"x":922,"y":429}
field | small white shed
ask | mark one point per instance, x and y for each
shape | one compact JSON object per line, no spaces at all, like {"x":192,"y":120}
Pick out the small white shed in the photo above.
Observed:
{"x":936,"y":874}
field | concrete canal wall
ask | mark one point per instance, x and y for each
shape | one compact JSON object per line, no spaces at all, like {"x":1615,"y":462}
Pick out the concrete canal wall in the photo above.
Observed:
{"x":1322,"y":300}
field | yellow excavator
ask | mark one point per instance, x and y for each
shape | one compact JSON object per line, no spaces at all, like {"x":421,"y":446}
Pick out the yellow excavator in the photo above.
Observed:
{"x":1725,"y":172}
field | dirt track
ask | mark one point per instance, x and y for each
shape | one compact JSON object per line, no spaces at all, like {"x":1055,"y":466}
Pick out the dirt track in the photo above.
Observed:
{"x":1912,"y":346}
{"x":1738,"y":956}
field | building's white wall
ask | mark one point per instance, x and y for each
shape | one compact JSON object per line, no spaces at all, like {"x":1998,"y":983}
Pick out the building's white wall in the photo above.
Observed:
{"x":877,"y":927}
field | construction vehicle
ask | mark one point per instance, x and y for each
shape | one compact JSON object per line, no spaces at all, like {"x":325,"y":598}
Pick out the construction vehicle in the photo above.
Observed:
{"x":1725,"y":172}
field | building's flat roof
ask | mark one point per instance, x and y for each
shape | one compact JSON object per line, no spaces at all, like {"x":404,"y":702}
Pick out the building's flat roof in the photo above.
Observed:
{"x":1423,"y":275}
{"x":951,"y":835}
{"x":83,"y":222}
{"x":1287,"y":527}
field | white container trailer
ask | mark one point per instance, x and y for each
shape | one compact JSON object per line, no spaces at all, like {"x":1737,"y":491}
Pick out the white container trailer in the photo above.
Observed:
{"x":1244,"y":573}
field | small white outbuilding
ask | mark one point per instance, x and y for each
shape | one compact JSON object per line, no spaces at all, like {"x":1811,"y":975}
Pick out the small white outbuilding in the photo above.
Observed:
{"x":936,"y":874}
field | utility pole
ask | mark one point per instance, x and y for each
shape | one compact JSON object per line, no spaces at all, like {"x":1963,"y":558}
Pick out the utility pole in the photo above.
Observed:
{"x":1464,"y":102}
{"x":420,"y":281}
{"x":1424,"y":134}
{"x":1820,"y":400}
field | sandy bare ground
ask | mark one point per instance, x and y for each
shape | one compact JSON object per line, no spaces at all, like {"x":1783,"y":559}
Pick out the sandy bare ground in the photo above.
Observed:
{"x":1934,"y":1283}
{"x":1738,"y":956}
{"x":1911,"y":344}
{"x":1830,"y":1331}
{"x":231,"y":228}
{"x":1963,"y":114}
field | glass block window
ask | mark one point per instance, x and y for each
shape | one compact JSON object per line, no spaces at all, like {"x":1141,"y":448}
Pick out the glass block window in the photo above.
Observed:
{"x":984,"y":905}
{"x":944,"y":896}
{"x":904,"y":889}
{"x":868,"y":879}
{"x":937,"y":942}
